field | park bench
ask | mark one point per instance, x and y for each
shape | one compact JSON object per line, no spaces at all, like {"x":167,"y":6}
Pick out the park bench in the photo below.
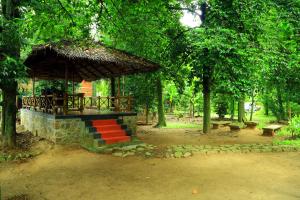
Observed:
{"x":251,"y":124}
{"x":270,"y":130}
{"x":220,"y":123}
{"x":234,"y":127}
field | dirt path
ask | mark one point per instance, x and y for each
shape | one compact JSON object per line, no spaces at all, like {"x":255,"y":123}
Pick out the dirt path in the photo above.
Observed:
{"x":77,"y":174}
{"x":223,"y":135}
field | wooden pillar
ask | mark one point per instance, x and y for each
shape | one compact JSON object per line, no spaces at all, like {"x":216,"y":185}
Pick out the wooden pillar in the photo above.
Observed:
{"x":33,"y":86}
{"x":73,"y":90}
{"x":112,"y":92}
{"x":123,"y":84}
{"x":119,"y":87}
{"x":66,"y":91}
{"x":112,"y":87}
{"x":33,"y":91}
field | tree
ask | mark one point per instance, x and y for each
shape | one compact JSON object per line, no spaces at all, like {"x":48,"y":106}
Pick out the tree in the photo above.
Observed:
{"x":11,"y":69}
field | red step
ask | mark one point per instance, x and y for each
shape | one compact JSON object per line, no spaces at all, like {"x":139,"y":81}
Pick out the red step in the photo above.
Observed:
{"x":104,"y":122}
{"x":110,"y":134}
{"x":108,"y":128}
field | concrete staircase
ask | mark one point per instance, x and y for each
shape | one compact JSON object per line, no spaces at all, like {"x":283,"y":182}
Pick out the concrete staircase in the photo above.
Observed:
{"x":108,"y":131}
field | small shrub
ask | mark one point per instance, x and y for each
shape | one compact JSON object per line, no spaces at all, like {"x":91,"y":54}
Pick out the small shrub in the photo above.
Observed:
{"x":294,"y":127}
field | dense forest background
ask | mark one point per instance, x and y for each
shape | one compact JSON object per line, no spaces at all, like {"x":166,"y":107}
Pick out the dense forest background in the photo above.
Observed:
{"x":240,"y":51}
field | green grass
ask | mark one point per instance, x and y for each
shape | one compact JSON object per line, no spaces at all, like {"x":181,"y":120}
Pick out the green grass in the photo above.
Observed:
{"x":182,"y":125}
{"x":288,"y":142}
{"x":262,"y":119}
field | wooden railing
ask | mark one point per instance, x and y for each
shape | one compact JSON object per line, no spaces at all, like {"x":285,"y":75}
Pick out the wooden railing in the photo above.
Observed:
{"x":77,"y":102}
{"x":117,"y":104}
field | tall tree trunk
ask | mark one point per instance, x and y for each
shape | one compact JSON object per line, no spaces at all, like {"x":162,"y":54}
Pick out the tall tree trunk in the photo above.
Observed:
{"x":160,"y":106}
{"x":288,"y":109}
{"x":3,"y":114}
{"x":266,"y":105}
{"x":147,"y":112}
{"x":10,"y":112}
{"x":280,"y":104}
{"x":206,"y":98}
{"x":241,"y":113}
{"x":11,"y":47}
{"x":252,"y":105}
{"x":232,"y":110}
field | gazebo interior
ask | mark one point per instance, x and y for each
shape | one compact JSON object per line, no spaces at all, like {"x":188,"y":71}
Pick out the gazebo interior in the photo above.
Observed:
{"x":74,"y":63}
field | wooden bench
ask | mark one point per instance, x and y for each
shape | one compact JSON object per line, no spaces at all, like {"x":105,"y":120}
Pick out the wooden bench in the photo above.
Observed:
{"x":234,"y":127}
{"x":251,"y":124}
{"x":270,"y":130}
{"x":220,"y":123}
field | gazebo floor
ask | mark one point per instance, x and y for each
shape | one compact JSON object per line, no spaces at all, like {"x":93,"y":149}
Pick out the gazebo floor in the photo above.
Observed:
{"x":94,"y":114}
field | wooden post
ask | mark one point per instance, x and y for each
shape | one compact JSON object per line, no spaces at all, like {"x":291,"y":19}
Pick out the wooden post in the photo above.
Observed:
{"x":99,"y":102}
{"x":33,"y":92}
{"x":118,"y":104}
{"x":66,"y":91}
{"x":112,"y":87}
{"x":119,"y":92}
{"x":73,"y":90}
{"x":113,"y":91}
{"x":123,"y":84}
{"x":33,"y":86}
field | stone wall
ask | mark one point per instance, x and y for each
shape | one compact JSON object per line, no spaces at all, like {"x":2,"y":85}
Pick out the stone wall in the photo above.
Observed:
{"x":130,"y":121}
{"x":47,"y":126}
{"x":65,"y":130}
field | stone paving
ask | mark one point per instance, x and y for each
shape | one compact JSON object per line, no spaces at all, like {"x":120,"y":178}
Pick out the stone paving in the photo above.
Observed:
{"x":179,"y":151}
{"x":184,"y":151}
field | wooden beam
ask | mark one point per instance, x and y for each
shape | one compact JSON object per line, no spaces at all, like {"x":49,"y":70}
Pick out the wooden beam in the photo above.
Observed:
{"x":65,"y":108}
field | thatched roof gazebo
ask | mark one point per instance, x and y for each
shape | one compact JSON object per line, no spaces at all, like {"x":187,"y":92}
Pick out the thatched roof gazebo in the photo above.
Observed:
{"x":89,"y":62}
{"x":77,"y":62}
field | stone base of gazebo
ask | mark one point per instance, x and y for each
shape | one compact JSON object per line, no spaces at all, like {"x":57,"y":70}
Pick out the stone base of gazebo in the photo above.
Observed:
{"x":76,"y":127}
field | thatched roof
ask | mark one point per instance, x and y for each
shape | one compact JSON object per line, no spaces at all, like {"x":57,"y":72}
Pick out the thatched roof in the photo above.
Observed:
{"x":91,"y":62}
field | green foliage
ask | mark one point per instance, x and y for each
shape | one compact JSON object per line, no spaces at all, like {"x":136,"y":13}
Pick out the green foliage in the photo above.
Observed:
{"x":175,"y":125}
{"x":11,"y":70}
{"x":295,"y":109}
{"x":221,"y":106}
{"x":102,"y":88}
{"x":294,"y":127}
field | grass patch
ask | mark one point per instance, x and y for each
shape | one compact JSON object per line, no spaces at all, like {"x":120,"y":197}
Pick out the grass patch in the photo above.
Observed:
{"x":262,"y":119}
{"x":288,"y":142}
{"x":182,"y":125}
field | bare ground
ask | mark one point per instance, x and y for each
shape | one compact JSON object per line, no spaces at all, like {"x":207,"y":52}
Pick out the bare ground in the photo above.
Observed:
{"x":73,"y":173}
{"x":76,"y":174}
{"x":223,"y":135}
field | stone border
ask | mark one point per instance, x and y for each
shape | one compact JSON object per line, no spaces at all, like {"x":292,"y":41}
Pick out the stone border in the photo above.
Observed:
{"x":179,"y":151}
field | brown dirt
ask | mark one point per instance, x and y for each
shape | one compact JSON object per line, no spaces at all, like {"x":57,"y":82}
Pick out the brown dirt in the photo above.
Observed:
{"x":26,"y":142}
{"x":77,"y":174}
{"x":223,"y":135}
{"x":71,"y":173}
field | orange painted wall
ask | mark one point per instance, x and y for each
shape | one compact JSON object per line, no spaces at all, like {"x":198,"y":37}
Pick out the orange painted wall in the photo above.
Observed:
{"x":86,"y":88}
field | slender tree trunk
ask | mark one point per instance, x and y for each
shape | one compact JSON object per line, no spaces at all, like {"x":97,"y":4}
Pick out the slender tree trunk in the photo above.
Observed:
{"x":147,"y":112}
{"x":252,"y":105}
{"x":241,"y":113}
{"x":160,"y":106}
{"x":10,"y":112}
{"x":206,"y":98}
{"x":288,"y":109}
{"x":266,"y":105}
{"x":232,"y":110}
{"x":280,"y":104}
{"x":11,"y":47}
{"x":3,"y":114}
